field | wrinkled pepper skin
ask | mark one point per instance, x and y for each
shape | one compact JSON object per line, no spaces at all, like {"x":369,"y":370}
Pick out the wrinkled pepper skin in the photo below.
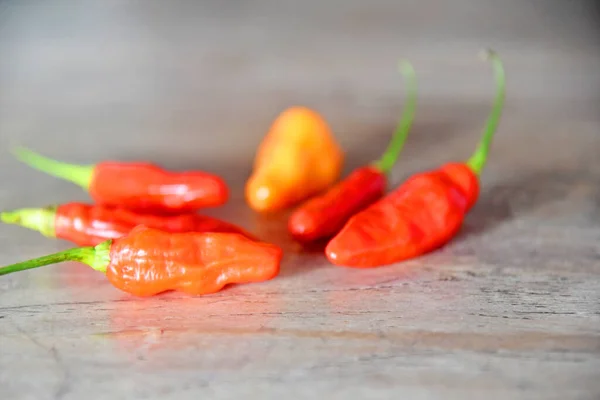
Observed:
{"x":324,"y":215}
{"x":419,"y":216}
{"x":148,"y":188}
{"x":298,"y":158}
{"x":89,"y":225}
{"x":426,"y":211}
{"x":147,"y":262}
{"x":141,"y":186}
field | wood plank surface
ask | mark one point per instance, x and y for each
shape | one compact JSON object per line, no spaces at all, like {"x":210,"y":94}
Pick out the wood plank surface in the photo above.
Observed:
{"x":508,"y":310}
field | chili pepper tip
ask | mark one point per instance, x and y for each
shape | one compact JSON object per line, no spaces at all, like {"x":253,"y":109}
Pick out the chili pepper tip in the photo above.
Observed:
{"x":487,"y":53}
{"x":8,"y":217}
{"x":78,"y":174}
{"x":37,"y":219}
{"x":406,"y":67}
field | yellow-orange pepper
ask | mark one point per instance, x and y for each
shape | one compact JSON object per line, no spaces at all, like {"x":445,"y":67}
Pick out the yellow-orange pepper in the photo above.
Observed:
{"x":298,"y":158}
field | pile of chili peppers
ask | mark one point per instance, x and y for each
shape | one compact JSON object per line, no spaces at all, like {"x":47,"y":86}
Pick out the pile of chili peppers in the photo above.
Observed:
{"x":144,"y":231}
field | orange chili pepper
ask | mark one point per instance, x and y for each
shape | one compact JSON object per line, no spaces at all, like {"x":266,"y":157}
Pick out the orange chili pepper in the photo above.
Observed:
{"x":422,"y":214}
{"x":136,"y":185}
{"x":148,"y":261}
{"x":89,"y":225}
{"x":324,"y":215}
{"x":298,"y":158}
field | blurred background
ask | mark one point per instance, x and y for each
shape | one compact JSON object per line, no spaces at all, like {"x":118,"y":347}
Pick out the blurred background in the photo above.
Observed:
{"x":195,"y":84}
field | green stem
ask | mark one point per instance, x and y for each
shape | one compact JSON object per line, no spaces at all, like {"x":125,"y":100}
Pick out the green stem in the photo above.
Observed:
{"x":390,"y":156}
{"x":479,"y":158}
{"x":97,"y":257}
{"x":38,"y":219}
{"x":78,"y":174}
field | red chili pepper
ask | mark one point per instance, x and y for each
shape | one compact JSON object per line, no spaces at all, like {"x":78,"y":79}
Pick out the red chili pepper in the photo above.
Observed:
{"x":136,"y":185}
{"x":422,"y":214}
{"x":324,"y":215}
{"x":89,"y":225}
{"x":148,"y":261}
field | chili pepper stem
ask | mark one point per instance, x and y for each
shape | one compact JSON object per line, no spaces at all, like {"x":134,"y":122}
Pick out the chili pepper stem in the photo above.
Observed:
{"x":479,"y":158}
{"x":97,"y":257}
{"x":38,"y":219}
{"x":78,"y":174}
{"x":390,"y":156}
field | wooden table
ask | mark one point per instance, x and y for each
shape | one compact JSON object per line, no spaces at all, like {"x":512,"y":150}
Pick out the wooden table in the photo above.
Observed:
{"x":508,"y":310}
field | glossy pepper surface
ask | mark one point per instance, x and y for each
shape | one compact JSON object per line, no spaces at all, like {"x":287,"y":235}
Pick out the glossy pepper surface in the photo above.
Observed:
{"x":148,"y":261}
{"x":422,"y":214}
{"x":136,"y":185}
{"x":298,"y":158}
{"x":89,"y":225}
{"x":323,"y":215}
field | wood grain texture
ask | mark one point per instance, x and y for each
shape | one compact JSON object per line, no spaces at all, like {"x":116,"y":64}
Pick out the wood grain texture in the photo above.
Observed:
{"x":509,"y":310}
